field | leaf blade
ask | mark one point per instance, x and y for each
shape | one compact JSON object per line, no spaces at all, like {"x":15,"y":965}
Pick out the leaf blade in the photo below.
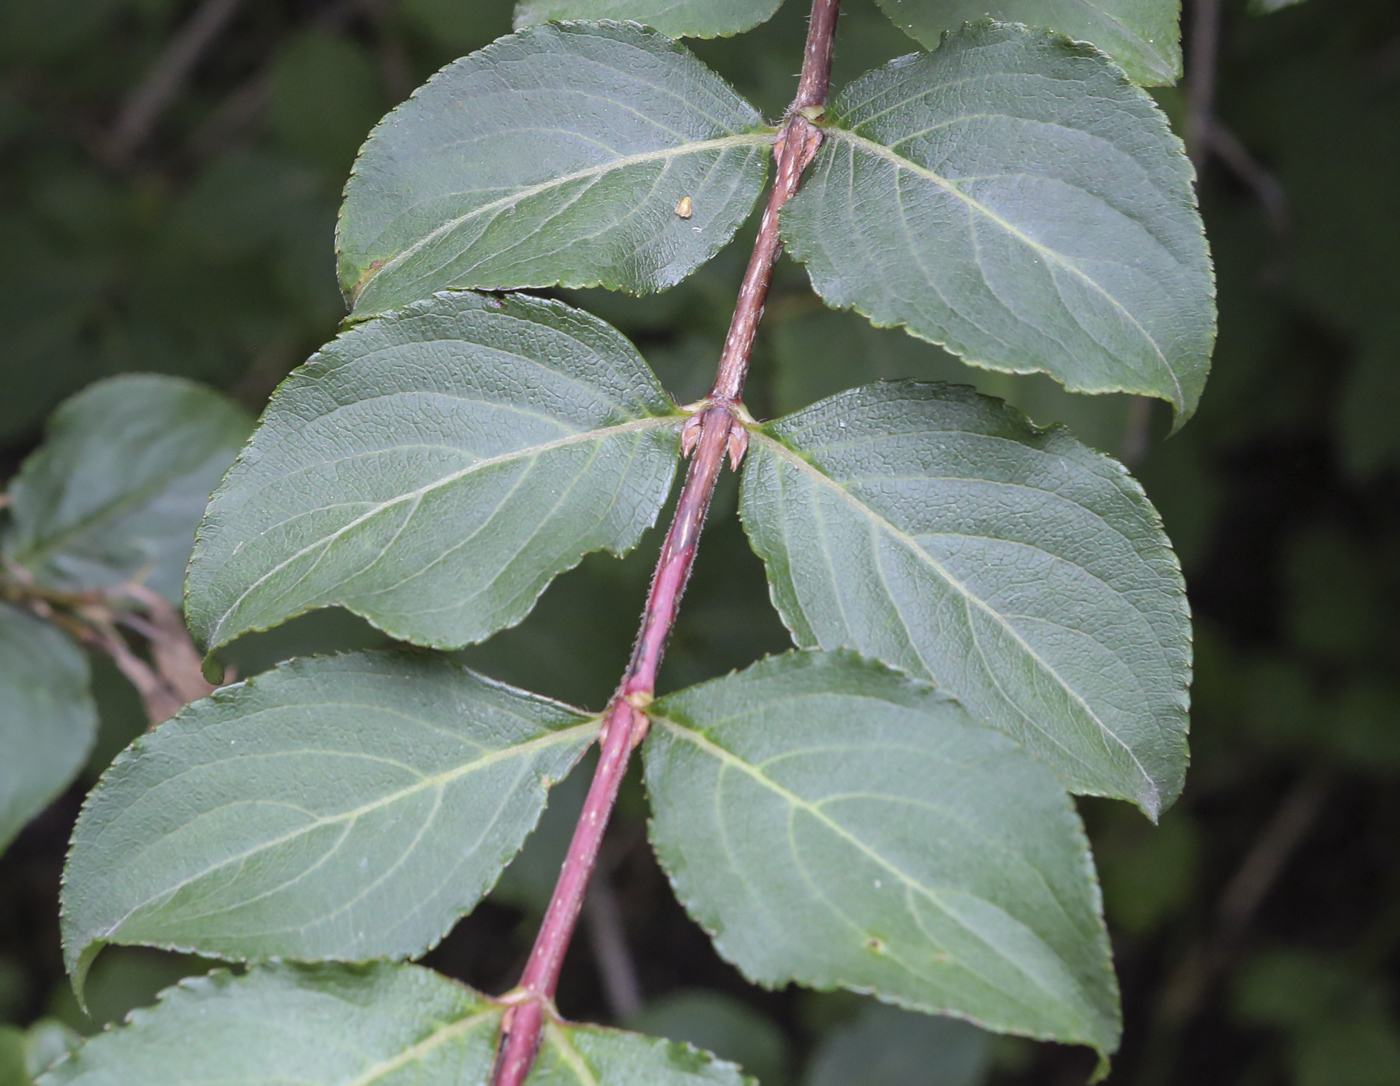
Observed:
{"x":1144,"y":36}
{"x":118,"y":485}
{"x":1012,"y":199}
{"x":674,"y":18}
{"x":316,"y":812}
{"x":354,"y":1026}
{"x":448,"y":197}
{"x":1021,"y":571}
{"x":433,"y":470}
{"x":833,"y":822}
{"x":48,"y":722}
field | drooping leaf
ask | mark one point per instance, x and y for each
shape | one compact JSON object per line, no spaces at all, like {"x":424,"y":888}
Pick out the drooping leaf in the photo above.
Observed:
{"x":47,"y":718}
{"x":1144,"y":36}
{"x":118,"y":485}
{"x":400,"y":1025}
{"x":1021,"y":571}
{"x":434,"y":469}
{"x":557,"y":155}
{"x":343,"y":807}
{"x":1013,"y":198}
{"x":722,"y":1024}
{"x":675,"y":18}
{"x":836,"y":823}
{"x":885,"y":1046}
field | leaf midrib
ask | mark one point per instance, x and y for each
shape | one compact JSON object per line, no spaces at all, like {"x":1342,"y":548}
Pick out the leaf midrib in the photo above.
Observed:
{"x":433,"y":1041}
{"x":528,"y":748}
{"x":742,"y":765}
{"x":970,"y":597}
{"x":1051,"y":256}
{"x":528,"y":191}
{"x":417,"y":494}
{"x":45,"y":547}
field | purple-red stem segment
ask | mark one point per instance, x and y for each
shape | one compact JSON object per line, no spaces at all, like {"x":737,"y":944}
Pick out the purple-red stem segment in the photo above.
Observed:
{"x":716,"y":428}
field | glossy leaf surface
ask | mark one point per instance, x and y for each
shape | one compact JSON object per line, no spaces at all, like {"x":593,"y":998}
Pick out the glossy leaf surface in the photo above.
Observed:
{"x":1144,"y":36}
{"x":395,"y":1025}
{"x":675,"y":18}
{"x":434,"y":469}
{"x":1021,"y":571}
{"x":1013,"y":198}
{"x":835,"y":823}
{"x":342,"y":807}
{"x":118,"y":485}
{"x":557,"y":155}
{"x":47,"y":718}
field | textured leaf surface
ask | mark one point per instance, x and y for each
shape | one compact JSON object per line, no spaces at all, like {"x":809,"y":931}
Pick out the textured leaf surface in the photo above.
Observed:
{"x":1021,"y":571}
{"x":1014,"y":199}
{"x":394,"y":1025}
{"x":675,"y":18}
{"x":555,"y":155}
{"x":1144,"y":36}
{"x":434,"y":469}
{"x":118,"y":485}
{"x":838,"y":824}
{"x":340,"y":807}
{"x":47,"y":718}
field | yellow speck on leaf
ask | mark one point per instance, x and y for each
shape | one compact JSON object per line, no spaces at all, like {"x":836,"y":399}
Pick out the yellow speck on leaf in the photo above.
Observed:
{"x":684,"y":208}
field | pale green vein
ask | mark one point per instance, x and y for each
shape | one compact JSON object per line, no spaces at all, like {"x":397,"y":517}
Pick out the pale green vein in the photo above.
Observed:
{"x":971,"y":598}
{"x":975,"y":206}
{"x":730,"y":760}
{"x":569,"y":1053}
{"x":430,"y":1043}
{"x":431,"y":781}
{"x":667,"y":154}
{"x":637,"y":425}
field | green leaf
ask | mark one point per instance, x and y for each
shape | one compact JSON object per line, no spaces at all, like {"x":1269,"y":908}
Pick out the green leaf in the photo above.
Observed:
{"x":343,"y":807}
{"x":434,"y":469}
{"x":355,"y":1025}
{"x":557,"y":155}
{"x":1012,"y":198}
{"x":889,"y":1047}
{"x":838,"y":824}
{"x":118,"y":485}
{"x":47,"y":718}
{"x":1026,"y":574}
{"x":721,"y":1024}
{"x":675,"y":18}
{"x":1144,"y":36}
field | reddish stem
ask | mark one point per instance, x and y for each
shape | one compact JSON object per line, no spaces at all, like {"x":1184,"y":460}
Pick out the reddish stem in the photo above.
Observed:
{"x":717,"y":428}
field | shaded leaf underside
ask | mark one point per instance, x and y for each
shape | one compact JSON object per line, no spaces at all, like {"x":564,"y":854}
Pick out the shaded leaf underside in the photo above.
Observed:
{"x":47,"y":718}
{"x":118,"y":485}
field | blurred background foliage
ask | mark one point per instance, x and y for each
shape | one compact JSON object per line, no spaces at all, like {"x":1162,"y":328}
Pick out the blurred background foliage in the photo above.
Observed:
{"x":169,"y":176}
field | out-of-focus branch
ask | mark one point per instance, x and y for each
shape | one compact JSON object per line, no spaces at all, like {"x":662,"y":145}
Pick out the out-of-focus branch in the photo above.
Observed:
{"x":1243,"y":895}
{"x":1202,"y":58}
{"x":607,"y":936}
{"x":165,"y":78}
{"x":1226,"y":146}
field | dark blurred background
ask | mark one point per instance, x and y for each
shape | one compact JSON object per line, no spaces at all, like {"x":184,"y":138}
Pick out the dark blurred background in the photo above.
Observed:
{"x":169,"y":177}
